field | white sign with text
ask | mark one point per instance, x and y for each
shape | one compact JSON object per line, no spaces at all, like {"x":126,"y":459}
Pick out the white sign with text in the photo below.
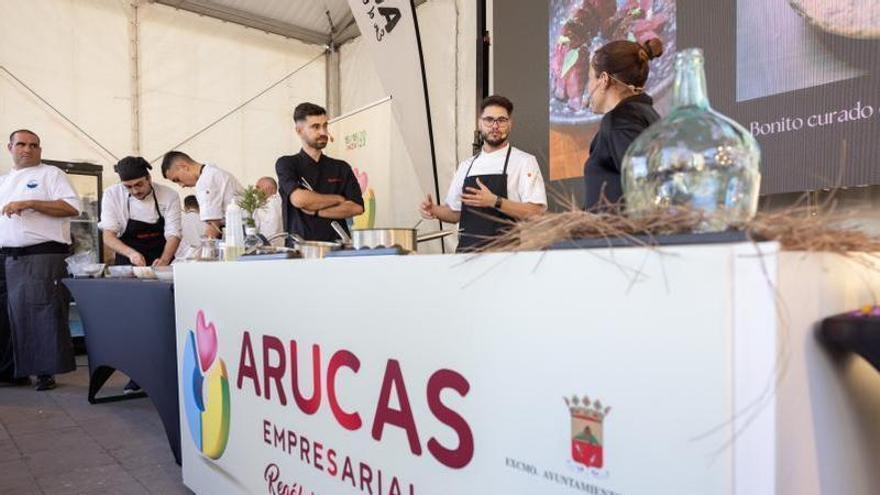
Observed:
{"x":513,"y":374}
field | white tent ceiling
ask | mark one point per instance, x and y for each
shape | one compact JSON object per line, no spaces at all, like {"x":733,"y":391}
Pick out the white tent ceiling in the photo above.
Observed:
{"x":305,"y":20}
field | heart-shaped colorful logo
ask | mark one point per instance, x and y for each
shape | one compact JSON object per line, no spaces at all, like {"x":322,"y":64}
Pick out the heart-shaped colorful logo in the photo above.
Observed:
{"x":205,"y":387}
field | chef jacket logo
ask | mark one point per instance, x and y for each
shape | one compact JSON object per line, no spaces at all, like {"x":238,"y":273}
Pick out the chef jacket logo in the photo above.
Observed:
{"x":587,"y":432}
{"x":205,"y":386}
{"x":32,"y":184}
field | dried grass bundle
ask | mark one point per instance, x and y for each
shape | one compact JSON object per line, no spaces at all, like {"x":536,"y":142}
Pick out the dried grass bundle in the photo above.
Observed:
{"x":799,"y":228}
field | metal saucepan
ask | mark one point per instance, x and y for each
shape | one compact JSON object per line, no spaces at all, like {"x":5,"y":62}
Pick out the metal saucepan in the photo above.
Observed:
{"x":405,"y":239}
{"x":314,"y":249}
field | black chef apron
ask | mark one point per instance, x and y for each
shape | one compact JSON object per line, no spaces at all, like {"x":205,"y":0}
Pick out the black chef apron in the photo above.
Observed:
{"x":145,"y":238}
{"x":480,"y":224}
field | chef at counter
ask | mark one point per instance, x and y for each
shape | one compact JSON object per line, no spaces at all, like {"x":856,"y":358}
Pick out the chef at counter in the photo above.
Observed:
{"x":317,"y":191}
{"x":498,"y":185}
{"x":140,"y":219}
{"x":215,"y":188}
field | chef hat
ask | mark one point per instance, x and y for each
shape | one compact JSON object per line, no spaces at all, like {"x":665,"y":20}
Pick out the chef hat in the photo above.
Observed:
{"x":132,"y":167}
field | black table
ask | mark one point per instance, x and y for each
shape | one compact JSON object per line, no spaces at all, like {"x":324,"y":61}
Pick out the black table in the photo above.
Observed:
{"x":129,"y":326}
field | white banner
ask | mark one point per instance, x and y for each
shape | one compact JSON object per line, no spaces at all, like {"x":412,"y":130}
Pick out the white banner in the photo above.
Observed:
{"x":525,"y":380}
{"x":389,"y":26}
{"x":363,"y":139}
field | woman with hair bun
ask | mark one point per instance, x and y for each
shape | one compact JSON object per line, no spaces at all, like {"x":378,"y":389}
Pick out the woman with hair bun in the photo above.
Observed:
{"x":616,"y":88}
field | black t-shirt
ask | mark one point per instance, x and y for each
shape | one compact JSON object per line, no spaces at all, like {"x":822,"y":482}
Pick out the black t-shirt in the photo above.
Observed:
{"x":326,"y":176}
{"x":619,"y":128}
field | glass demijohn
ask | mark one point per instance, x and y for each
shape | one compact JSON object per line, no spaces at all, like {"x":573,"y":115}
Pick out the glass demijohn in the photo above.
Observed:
{"x":694,"y":158}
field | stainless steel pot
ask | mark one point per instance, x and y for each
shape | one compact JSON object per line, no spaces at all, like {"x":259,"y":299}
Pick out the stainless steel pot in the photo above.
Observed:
{"x":405,"y":239}
{"x":314,"y":249}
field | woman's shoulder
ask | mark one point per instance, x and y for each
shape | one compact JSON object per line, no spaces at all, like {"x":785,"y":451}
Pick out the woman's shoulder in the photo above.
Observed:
{"x":636,"y":111}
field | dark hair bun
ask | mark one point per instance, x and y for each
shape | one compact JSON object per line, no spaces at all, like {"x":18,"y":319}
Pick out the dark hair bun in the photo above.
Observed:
{"x":653,"y":47}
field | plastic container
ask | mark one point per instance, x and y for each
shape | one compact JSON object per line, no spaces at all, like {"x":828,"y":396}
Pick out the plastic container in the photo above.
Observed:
{"x":121,"y":271}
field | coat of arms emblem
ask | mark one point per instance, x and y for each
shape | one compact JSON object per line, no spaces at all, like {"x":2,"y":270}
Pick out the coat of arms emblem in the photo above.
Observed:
{"x":587,"y":432}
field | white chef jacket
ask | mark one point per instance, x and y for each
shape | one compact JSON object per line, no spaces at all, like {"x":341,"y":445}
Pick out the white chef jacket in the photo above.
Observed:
{"x":118,"y":207}
{"x":215,"y":190}
{"x":525,"y":184}
{"x":192,"y":230}
{"x":41,"y":183}
{"x":268,"y":218}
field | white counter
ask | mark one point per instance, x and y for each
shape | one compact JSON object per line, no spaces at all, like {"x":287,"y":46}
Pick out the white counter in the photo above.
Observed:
{"x":684,"y":344}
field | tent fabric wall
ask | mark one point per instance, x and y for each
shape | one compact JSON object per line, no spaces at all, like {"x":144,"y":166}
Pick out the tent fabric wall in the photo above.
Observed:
{"x":193,"y":70}
{"x":448,"y":33}
{"x":74,"y":54}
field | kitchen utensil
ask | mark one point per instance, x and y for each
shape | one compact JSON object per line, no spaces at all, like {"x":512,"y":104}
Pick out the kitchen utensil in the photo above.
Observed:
{"x":313,"y":249}
{"x":406,"y":239}
{"x":88,"y":270}
{"x":209,"y":250}
{"x":316,"y":249}
{"x":340,"y":232}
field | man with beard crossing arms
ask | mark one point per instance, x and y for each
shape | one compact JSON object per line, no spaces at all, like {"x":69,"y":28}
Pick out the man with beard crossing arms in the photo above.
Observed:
{"x":499,"y":183}
{"x":316,"y":190}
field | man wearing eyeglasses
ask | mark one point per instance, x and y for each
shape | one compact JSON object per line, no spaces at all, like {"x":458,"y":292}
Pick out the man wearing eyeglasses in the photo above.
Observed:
{"x":140,"y":219}
{"x":498,"y":185}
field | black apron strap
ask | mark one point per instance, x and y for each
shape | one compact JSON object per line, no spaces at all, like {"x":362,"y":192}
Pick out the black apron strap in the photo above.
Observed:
{"x":155,"y":205}
{"x":503,"y":171}
{"x":471,"y":165}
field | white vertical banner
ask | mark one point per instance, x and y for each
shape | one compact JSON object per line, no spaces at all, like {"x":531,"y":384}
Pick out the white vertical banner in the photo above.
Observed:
{"x":363,"y":139}
{"x":391,"y":30}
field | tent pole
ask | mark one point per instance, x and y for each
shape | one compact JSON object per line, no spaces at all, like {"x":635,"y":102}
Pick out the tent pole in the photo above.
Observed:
{"x":482,"y":79}
{"x":134,"y":75}
{"x":332,"y":74}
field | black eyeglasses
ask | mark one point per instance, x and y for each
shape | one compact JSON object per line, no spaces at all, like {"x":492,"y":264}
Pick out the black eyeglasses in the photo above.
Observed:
{"x":490,"y":122}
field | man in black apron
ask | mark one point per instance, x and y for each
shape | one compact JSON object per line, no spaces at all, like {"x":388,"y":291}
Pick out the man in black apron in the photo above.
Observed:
{"x":498,"y":186}
{"x":140,"y":219}
{"x":36,"y":203}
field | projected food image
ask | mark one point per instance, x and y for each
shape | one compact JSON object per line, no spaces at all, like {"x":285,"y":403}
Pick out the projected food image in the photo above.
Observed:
{"x":803,"y":44}
{"x":577,"y":28}
{"x":858,"y":19}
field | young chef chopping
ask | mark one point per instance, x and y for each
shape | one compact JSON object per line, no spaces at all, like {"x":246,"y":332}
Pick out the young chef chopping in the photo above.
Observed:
{"x":140,"y":219}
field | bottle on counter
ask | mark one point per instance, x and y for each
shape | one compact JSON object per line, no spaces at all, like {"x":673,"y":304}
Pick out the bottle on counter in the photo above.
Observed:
{"x":233,"y":234}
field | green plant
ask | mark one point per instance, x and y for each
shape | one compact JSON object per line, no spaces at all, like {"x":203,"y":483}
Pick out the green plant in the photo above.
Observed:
{"x":251,"y":200}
